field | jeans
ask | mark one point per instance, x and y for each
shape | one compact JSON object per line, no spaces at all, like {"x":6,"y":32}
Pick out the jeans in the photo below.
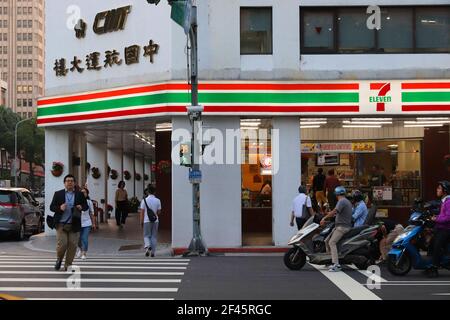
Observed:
{"x":84,"y":238}
{"x":441,"y":237}
{"x":151,"y":235}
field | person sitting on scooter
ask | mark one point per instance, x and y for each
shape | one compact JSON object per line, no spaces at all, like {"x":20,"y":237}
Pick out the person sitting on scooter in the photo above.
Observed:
{"x":343,"y":224}
{"x":301,"y":208}
{"x":360,"y":211}
{"x":441,"y":228}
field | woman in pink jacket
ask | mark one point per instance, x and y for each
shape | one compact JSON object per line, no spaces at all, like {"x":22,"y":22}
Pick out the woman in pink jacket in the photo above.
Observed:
{"x":442,"y":226}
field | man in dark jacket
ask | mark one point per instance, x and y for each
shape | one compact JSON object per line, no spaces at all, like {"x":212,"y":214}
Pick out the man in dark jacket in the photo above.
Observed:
{"x":67,"y":223}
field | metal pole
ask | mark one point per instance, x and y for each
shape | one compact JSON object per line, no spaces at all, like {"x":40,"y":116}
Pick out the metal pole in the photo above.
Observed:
{"x":15,"y":151}
{"x":196,"y":246}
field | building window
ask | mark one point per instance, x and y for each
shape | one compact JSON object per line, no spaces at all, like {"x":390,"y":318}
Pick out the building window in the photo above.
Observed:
{"x":404,"y":29}
{"x":19,"y":102}
{"x":256,"y":30}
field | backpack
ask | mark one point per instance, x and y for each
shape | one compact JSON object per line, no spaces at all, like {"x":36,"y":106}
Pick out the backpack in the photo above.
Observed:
{"x":150,"y":213}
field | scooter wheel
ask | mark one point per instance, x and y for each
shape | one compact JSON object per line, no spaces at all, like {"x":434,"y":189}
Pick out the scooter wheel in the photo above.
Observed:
{"x":295,"y":258}
{"x":401,"y":268}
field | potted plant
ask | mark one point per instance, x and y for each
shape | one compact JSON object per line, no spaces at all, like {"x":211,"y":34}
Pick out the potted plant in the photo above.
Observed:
{"x":96,"y":173}
{"x":57,"y":169}
{"x":114,"y":174}
{"x":127,"y":175}
{"x":134,"y":204}
{"x":137,"y":176}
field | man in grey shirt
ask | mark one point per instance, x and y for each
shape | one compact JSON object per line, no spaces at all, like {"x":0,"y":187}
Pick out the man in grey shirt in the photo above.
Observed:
{"x":343,"y":224}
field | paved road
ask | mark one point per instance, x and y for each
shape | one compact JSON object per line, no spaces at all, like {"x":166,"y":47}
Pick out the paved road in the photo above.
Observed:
{"x":218,"y":277}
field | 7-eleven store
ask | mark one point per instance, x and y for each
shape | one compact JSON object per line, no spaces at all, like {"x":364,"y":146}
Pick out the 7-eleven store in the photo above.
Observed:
{"x":129,"y":129}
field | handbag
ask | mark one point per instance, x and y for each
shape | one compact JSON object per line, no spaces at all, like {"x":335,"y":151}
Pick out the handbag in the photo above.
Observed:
{"x":50,"y":222}
{"x":150,"y":213}
{"x":305,"y":213}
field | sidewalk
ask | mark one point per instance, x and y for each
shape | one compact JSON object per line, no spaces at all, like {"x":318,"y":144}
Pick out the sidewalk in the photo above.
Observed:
{"x":110,"y":240}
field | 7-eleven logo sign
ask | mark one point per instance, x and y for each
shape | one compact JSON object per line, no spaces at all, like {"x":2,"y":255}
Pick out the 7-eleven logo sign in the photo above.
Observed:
{"x":382,"y":98}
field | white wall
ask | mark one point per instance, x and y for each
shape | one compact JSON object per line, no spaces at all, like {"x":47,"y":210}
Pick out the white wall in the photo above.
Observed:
{"x":220,"y":191}
{"x":115,"y":162}
{"x":60,"y":138}
{"x":96,"y":156}
{"x":286,"y":181}
{"x":181,"y":195}
{"x":128,"y":164}
{"x":139,"y":185}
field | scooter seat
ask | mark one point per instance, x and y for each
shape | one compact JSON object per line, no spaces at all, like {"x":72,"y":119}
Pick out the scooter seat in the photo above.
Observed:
{"x":354,"y":231}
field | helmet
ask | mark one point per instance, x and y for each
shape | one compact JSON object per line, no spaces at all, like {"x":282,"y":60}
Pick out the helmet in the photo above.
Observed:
{"x":340,"y":191}
{"x":445,"y":186}
{"x":357,"y":196}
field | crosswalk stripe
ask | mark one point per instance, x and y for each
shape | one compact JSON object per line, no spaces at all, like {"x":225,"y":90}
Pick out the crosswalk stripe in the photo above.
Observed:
{"x":98,"y":299}
{"x":97,"y":273}
{"x":352,"y":288}
{"x":52,"y":289}
{"x":369,"y":275}
{"x":97,"y":280}
{"x":95,"y":267}
{"x":97,"y":259}
{"x":100,"y":263}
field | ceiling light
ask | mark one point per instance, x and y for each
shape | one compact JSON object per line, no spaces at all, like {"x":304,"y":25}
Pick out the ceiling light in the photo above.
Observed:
{"x":371,"y":119}
{"x":313,"y":122}
{"x":427,"y":122}
{"x":309,"y":127}
{"x":423,"y":125}
{"x":361,"y":126}
{"x":367,"y":122}
{"x":433,"y":119}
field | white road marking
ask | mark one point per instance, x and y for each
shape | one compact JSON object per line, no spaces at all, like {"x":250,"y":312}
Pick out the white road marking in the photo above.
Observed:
{"x":102,"y":263}
{"x":97,"y":273}
{"x":370,"y":275}
{"x":97,"y":299}
{"x":441,"y":294}
{"x":352,"y":288}
{"x":92,"y":267}
{"x":97,"y":259}
{"x":96,"y":280}
{"x":52,"y":289}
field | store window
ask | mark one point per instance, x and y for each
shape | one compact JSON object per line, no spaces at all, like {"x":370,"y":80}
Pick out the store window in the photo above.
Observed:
{"x":433,"y":29}
{"x":396,"y":34}
{"x":388,"y":172}
{"x":354,"y":36}
{"x":319,"y":30}
{"x":256,"y":30}
{"x":256,"y":173}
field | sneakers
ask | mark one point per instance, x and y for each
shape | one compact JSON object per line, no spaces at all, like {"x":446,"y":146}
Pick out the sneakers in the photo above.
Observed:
{"x":58,"y":265}
{"x":153,"y":255}
{"x":78,"y":255}
{"x":147,"y":251}
{"x":335,"y":268}
{"x":83,"y":257}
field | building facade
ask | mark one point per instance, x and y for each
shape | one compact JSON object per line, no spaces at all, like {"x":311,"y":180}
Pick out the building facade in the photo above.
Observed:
{"x":22,"y":53}
{"x":328,"y":88}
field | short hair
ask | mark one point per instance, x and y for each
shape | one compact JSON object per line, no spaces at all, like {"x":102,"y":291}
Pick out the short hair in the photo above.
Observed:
{"x":320,"y":170}
{"x":121,"y":183}
{"x":151,"y":189}
{"x":70,"y":176}
{"x":302,"y":189}
{"x":331,"y":172}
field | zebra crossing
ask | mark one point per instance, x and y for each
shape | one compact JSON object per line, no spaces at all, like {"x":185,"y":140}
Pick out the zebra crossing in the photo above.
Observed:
{"x":97,"y":278}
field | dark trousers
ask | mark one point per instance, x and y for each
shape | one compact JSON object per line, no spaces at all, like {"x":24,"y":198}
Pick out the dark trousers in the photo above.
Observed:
{"x":332,"y":200}
{"x":300,"y":222}
{"x":441,"y":238}
{"x":121,"y":212}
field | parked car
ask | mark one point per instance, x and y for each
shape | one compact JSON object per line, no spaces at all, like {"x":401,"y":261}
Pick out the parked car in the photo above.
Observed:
{"x":20,"y":214}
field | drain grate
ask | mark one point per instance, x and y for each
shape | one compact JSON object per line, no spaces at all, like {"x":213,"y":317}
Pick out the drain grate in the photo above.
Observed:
{"x":131,"y":247}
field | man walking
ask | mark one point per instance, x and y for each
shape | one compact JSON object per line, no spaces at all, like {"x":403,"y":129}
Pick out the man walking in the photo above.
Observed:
{"x":301,"y":208}
{"x":67,"y":205}
{"x":331,"y":182}
{"x":343,"y":224}
{"x":150,"y":210}
{"x":318,"y":188}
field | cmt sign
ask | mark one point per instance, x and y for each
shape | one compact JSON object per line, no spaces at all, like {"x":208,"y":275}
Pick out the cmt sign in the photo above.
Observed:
{"x":112,"y":20}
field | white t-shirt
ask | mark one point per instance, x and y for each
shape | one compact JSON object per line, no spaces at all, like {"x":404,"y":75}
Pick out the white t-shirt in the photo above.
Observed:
{"x":297,"y":204}
{"x":154,"y":204}
{"x":85,"y":215}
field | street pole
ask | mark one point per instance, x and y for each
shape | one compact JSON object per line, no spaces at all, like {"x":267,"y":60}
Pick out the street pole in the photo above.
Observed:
{"x":197,"y":246}
{"x":15,"y":151}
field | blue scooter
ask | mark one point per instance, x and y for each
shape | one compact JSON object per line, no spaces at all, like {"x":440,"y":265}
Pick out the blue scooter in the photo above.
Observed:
{"x":405,"y":253}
